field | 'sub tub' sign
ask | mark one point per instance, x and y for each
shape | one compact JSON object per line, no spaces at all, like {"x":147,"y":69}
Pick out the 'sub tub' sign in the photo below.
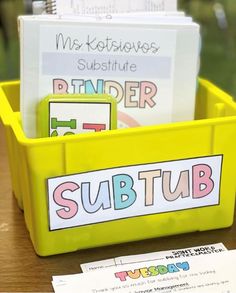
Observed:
{"x":130,"y":191}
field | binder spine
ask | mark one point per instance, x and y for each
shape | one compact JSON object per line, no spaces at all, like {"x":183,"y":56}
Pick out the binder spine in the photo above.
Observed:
{"x":51,"y":6}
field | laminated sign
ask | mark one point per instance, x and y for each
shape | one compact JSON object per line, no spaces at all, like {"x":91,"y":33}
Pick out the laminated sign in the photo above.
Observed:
{"x":131,"y":191}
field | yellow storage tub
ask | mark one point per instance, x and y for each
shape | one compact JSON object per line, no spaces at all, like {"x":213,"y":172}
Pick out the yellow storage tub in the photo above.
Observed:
{"x":124,"y":185}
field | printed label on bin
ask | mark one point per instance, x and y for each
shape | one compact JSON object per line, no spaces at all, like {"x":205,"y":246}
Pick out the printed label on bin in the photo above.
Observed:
{"x":131,"y":191}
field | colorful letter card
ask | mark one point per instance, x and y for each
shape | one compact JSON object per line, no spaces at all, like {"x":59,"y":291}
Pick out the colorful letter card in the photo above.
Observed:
{"x":60,"y":115}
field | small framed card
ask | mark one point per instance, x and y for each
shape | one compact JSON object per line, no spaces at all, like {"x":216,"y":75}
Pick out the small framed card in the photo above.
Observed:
{"x":60,"y":115}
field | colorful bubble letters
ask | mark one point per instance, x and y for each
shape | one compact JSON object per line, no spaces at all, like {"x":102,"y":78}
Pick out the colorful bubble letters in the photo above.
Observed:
{"x":129,"y":191}
{"x":152,"y":271}
{"x":133,"y":94}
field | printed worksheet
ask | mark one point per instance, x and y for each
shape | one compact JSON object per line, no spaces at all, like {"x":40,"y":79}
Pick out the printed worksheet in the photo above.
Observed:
{"x":199,"y":274}
{"x":160,"y":255}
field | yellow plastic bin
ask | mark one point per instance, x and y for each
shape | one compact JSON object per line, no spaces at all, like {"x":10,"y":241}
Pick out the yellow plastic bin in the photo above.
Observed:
{"x":124,"y":185}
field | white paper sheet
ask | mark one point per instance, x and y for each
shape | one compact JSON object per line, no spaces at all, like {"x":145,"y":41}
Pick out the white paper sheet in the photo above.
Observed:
{"x":200,"y":274}
{"x":160,"y":255}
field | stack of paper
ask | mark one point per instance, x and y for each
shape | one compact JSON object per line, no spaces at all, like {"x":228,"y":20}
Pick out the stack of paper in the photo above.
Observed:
{"x":108,"y":6}
{"x":195,"y":270}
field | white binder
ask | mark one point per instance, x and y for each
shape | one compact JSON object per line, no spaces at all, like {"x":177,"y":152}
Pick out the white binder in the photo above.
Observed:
{"x":149,"y":66}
